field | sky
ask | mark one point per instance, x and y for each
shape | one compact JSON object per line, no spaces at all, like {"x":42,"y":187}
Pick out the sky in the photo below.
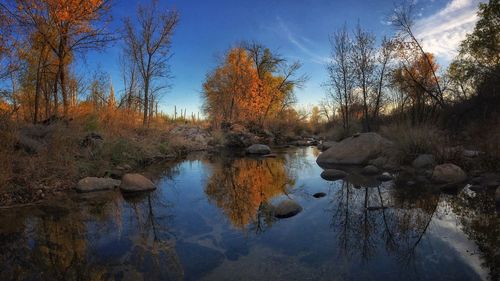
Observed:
{"x":296,"y":29}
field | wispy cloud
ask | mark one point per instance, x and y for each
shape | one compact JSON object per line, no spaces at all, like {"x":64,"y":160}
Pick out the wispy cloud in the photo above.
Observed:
{"x":301,"y":43}
{"x":443,"y":31}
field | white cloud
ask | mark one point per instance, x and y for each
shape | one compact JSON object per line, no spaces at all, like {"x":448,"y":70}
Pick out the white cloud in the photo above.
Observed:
{"x":301,"y":43}
{"x":442,"y":32}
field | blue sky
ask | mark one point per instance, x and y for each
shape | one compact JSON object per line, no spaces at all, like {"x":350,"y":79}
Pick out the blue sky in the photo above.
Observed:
{"x":297,"y":29}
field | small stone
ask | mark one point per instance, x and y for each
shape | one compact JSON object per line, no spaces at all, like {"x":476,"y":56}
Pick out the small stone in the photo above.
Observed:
{"x":424,"y":161}
{"x":90,"y":184}
{"x":319,"y":194}
{"x":287,"y":209}
{"x":258,"y":149}
{"x":370,"y":170}
{"x":448,"y":173}
{"x":385,"y":177}
{"x":136,"y":183}
{"x":333,"y":175}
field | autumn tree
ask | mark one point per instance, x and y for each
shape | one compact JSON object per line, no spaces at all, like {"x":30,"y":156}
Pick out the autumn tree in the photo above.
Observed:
{"x":251,"y":85}
{"x":147,"y":43}
{"x":413,"y":82}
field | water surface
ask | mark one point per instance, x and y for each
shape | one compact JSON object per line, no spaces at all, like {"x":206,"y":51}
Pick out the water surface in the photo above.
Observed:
{"x":211,"y":219}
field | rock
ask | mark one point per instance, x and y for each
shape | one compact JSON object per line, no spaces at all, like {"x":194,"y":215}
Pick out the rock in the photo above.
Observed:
{"x":319,"y":194}
{"x":477,"y":188}
{"x":497,"y":196}
{"x":424,"y":161}
{"x":136,"y":183}
{"x":448,"y":173}
{"x":287,"y":209}
{"x":326,"y":145}
{"x":91,"y":184}
{"x":385,"y":177}
{"x":333,"y":175}
{"x":258,"y":149}
{"x":378,"y":162}
{"x":370,"y":170}
{"x":355,"y":150}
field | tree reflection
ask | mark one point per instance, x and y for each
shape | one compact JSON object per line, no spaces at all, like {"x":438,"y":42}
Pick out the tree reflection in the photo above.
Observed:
{"x":362,"y":216}
{"x":481,"y":223}
{"x":242,"y":188}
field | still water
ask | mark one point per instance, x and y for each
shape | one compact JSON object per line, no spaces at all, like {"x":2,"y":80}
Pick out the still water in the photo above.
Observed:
{"x":211,"y":219}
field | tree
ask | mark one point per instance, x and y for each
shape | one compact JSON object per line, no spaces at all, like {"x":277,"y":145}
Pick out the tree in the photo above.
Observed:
{"x":148,"y":43}
{"x":66,"y":27}
{"x":251,"y":85}
{"x":363,"y":58}
{"x":411,"y":49}
{"x":341,"y":74}
{"x":414,"y":81}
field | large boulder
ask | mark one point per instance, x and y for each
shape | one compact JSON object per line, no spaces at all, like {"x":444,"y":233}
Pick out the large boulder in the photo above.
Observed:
{"x":326,"y":145}
{"x":286,"y":209}
{"x":448,"y":173}
{"x":333,"y":175}
{"x":136,"y":183}
{"x":424,"y":161}
{"x":91,"y":184}
{"x":261,"y":149}
{"x":355,"y":150}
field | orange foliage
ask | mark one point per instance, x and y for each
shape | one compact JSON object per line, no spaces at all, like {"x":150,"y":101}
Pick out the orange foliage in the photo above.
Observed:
{"x":241,"y":187}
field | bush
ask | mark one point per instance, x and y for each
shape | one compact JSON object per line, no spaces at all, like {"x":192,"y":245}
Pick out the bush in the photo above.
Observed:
{"x":412,"y":141}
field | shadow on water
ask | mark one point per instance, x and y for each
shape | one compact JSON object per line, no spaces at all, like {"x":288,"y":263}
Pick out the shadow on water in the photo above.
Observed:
{"x":211,"y":218}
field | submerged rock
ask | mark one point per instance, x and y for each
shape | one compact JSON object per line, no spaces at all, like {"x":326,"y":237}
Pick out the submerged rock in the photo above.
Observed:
{"x":91,"y":184}
{"x":333,"y":175}
{"x":261,"y":149}
{"x":136,"y":183}
{"x":448,"y":173}
{"x":319,"y":194}
{"x":287,"y":209}
{"x":355,"y":150}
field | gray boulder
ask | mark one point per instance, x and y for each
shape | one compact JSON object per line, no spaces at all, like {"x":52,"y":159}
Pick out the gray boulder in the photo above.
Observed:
{"x":136,"y":183}
{"x":355,"y":150}
{"x":370,"y":170}
{"x":333,"y":175}
{"x":91,"y":184}
{"x":448,"y":173}
{"x":326,"y":145}
{"x":261,"y":149}
{"x":424,"y":161}
{"x":286,"y":209}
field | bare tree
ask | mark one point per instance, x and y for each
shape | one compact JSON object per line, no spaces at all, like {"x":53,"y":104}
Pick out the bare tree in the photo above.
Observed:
{"x":363,"y":58}
{"x":149,"y":45}
{"x":384,"y":58}
{"x":340,"y":71}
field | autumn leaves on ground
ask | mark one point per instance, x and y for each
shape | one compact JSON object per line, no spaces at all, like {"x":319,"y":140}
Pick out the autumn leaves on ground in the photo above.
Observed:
{"x":59,"y":125}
